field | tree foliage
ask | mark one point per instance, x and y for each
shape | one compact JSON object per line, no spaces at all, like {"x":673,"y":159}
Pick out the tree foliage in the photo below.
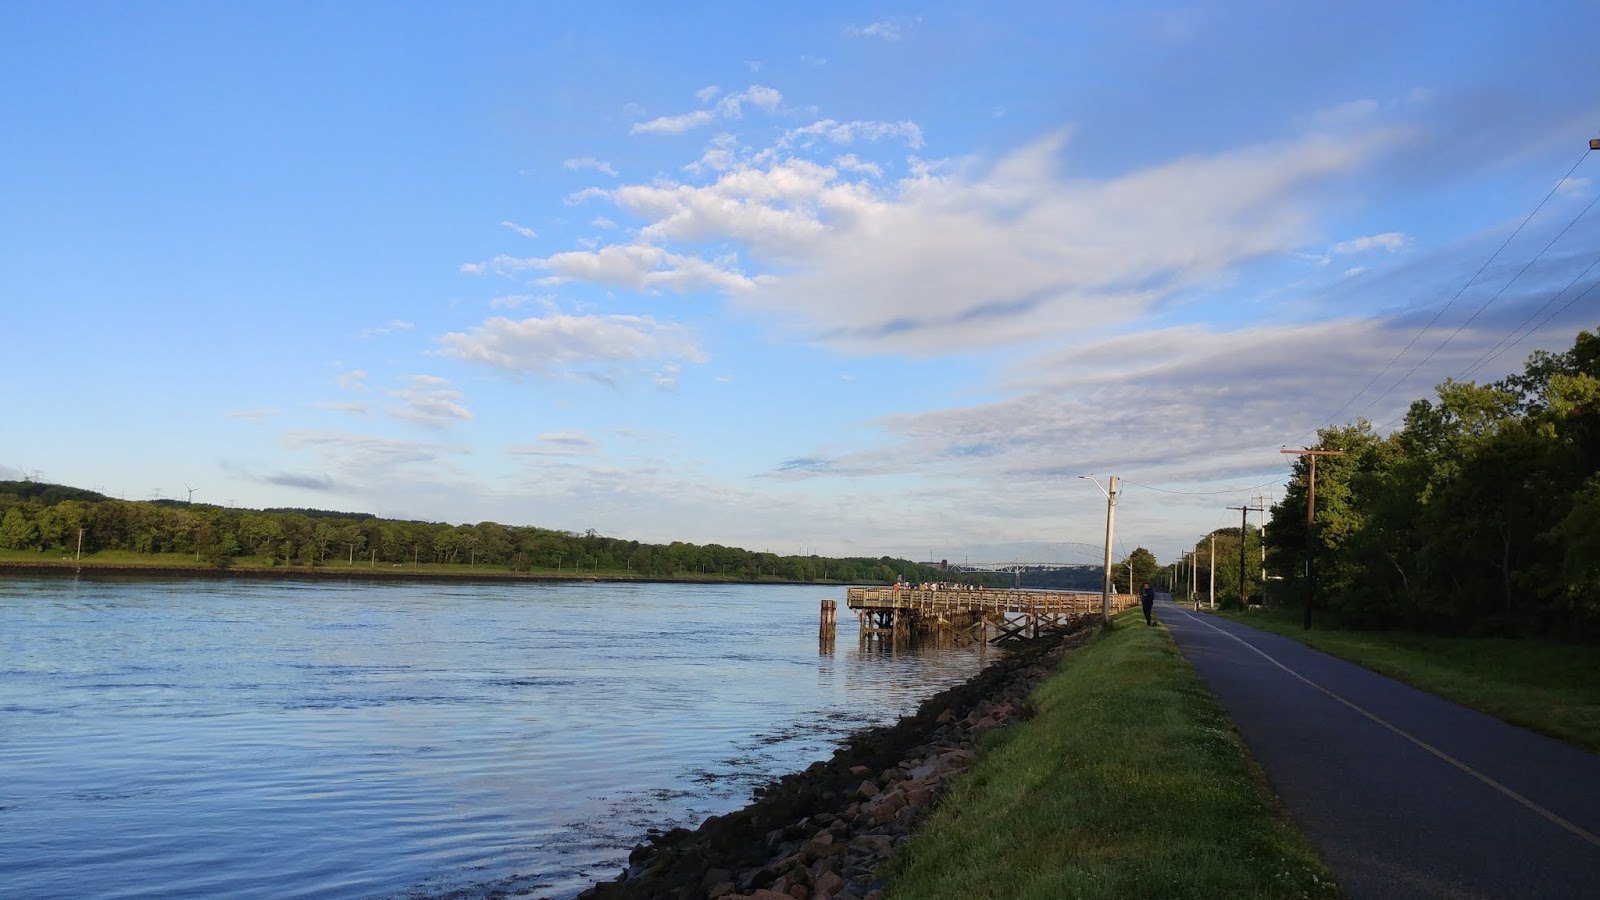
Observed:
{"x":48,"y":518}
{"x":1479,"y":515}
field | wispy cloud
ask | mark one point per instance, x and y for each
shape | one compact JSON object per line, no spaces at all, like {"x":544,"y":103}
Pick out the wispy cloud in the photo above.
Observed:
{"x":948,"y":260}
{"x":320,"y":483}
{"x":359,"y":409}
{"x":1574,"y":187}
{"x":1392,"y":241}
{"x":731,"y":106}
{"x":560,"y":345}
{"x":520,"y":229}
{"x":674,"y":124}
{"x":353,"y":380}
{"x":667,"y":378}
{"x":578,"y":164}
{"x":394,"y":326}
{"x":888,"y":30}
{"x":559,"y":443}
{"x":255,"y":415}
{"x":429,"y":401}
{"x":362,"y":456}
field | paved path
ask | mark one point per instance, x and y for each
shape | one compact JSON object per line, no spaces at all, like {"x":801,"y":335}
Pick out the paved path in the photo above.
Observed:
{"x":1403,"y":794}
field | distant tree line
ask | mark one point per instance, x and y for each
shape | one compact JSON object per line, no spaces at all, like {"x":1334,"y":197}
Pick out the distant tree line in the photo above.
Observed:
{"x":49,"y":518}
{"x":1481,"y":515}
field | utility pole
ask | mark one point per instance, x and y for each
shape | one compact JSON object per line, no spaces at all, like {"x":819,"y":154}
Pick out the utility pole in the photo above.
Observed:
{"x":1311,"y":521}
{"x":1211,"y":564}
{"x":1244,"y":533}
{"x":1111,"y":516}
{"x":1194,"y":583}
{"x":1261,"y":504}
{"x":1130,"y":574}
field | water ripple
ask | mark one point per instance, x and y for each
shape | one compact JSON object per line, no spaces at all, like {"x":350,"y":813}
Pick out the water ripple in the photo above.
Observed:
{"x":162,"y":737}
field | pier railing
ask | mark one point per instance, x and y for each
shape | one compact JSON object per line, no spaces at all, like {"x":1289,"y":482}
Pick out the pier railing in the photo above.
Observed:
{"x":1011,"y":613}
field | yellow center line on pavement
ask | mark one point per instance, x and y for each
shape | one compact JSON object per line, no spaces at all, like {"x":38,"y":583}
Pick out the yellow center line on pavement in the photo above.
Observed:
{"x":1576,"y":829}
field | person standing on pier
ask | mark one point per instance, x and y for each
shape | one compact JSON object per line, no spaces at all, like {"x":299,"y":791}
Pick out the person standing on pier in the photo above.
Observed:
{"x":1147,"y":599}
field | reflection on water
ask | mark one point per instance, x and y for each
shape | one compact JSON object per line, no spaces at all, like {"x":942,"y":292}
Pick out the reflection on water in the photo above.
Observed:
{"x":180,"y":737}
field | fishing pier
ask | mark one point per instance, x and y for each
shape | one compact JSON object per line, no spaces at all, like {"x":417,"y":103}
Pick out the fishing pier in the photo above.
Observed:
{"x":894,"y":613}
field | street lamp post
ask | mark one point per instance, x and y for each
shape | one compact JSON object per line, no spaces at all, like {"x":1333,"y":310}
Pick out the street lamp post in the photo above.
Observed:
{"x":1111,"y":516}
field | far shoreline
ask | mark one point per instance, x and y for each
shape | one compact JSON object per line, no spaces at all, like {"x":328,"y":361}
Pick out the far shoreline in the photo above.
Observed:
{"x":321,"y":573}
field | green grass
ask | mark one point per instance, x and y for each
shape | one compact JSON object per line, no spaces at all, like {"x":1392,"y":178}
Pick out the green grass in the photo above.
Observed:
{"x":1129,"y":782}
{"x":1547,"y":686}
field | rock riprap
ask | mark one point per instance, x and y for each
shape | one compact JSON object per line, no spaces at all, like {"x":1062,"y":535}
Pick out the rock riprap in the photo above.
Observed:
{"x":821,"y":834}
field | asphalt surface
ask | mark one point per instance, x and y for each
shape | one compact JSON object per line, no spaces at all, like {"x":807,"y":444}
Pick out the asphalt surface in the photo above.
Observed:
{"x":1402,"y":793}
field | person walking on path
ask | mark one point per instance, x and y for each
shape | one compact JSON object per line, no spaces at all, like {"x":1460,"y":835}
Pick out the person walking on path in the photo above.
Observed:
{"x":1147,"y":599}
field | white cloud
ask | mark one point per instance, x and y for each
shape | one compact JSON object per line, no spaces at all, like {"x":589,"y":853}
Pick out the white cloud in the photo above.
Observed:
{"x":602,"y":222}
{"x":674,"y":124}
{"x":367,"y":456}
{"x":1574,"y":187}
{"x":353,"y":380}
{"x":633,"y":266}
{"x":428,"y":401}
{"x":384,"y":330}
{"x":960,"y":256}
{"x":851,"y":163}
{"x":473,"y":268}
{"x":667,"y":378}
{"x":559,"y":345}
{"x":886,"y":30}
{"x":520,"y":229}
{"x":588,"y":193}
{"x":1353,"y":271}
{"x":849,"y":132}
{"x":705,"y":94}
{"x":1344,"y":115}
{"x":589,"y":162}
{"x":1392,"y":241}
{"x":359,"y":409}
{"x":730,"y":106}
{"x":559,"y":443}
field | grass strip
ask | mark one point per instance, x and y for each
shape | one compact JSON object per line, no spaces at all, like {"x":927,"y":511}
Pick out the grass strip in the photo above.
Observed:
{"x":1129,"y":781}
{"x":1546,"y":686}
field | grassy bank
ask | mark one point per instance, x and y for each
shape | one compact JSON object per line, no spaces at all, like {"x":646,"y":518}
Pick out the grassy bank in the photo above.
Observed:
{"x":1550,"y":687}
{"x":1129,"y":782}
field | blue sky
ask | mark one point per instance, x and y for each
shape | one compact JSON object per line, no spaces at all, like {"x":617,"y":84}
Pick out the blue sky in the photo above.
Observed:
{"x":845,"y":278}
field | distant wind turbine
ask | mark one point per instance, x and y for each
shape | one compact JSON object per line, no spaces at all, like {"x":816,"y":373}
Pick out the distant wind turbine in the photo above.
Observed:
{"x":191,"y":492}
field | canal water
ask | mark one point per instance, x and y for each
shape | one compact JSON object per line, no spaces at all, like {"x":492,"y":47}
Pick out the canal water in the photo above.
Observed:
{"x":208,"y":738}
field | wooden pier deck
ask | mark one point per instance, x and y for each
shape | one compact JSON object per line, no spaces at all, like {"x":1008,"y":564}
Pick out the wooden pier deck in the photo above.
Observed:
{"x":899,"y":612}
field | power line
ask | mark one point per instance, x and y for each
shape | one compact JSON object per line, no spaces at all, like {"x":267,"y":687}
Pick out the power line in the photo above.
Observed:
{"x":1418,"y":336}
{"x":1486,"y":303}
{"x":1207,"y":493}
{"x":1488,"y":358}
{"x":1494,"y":352}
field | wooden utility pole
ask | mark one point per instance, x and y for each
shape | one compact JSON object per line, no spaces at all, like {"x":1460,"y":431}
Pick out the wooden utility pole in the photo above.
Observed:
{"x":1261,"y":504}
{"x":1311,"y":521}
{"x":1194,"y":583}
{"x":1244,"y":533}
{"x":1211,"y":565}
{"x":1111,"y":516}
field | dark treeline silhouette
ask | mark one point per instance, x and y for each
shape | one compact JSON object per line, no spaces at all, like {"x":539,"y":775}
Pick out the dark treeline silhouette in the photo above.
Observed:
{"x":49,"y":518}
{"x":1480,"y":516}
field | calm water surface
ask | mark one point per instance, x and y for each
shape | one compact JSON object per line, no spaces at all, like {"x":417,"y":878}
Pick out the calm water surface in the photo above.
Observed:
{"x":263,"y":739}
